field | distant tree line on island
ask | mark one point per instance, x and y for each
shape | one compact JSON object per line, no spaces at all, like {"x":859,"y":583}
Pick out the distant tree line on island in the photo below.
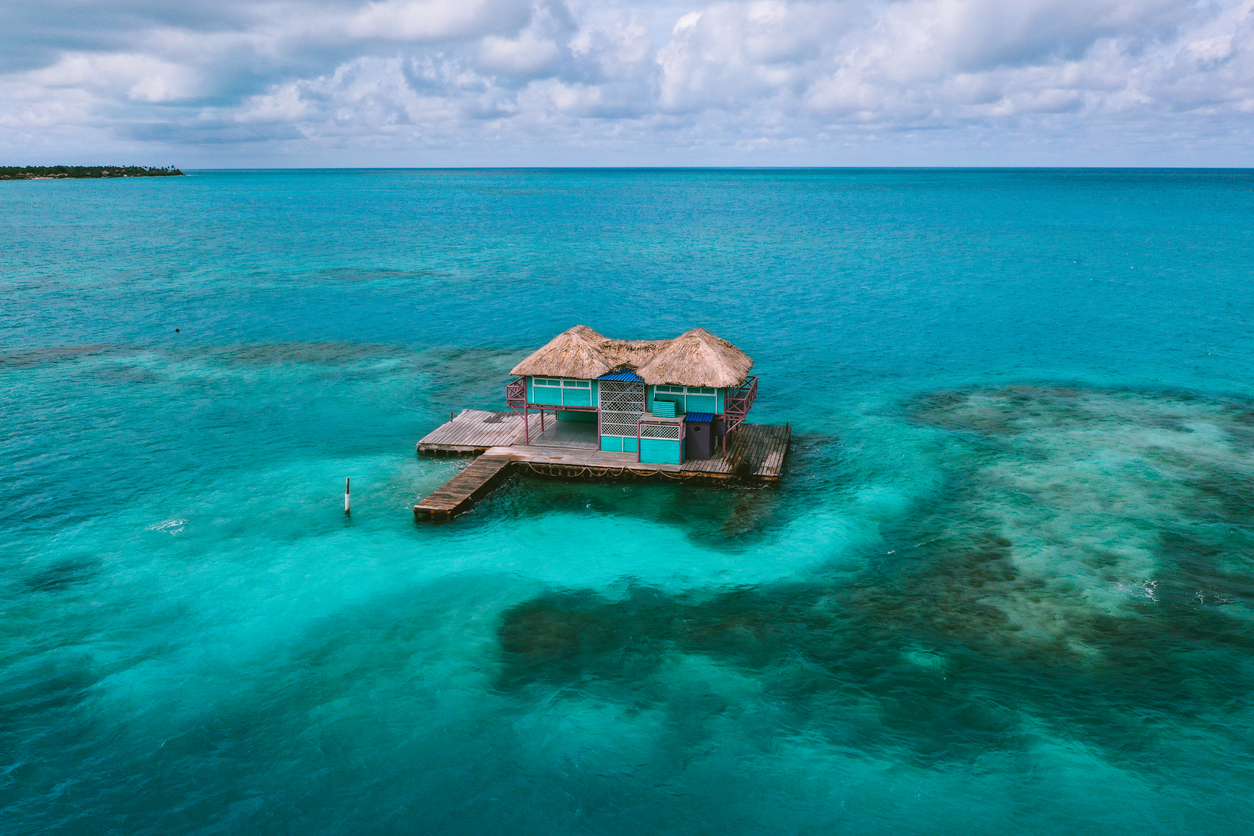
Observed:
{"x":58,"y":172}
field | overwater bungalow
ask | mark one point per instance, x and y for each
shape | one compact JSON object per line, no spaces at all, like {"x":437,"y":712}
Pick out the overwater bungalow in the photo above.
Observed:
{"x":667,"y":401}
{"x":616,"y":409}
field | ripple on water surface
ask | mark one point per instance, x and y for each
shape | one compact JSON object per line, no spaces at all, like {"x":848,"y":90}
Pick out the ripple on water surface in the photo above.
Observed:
{"x":1081,"y":583}
{"x":979,"y":609}
{"x":1071,"y":599}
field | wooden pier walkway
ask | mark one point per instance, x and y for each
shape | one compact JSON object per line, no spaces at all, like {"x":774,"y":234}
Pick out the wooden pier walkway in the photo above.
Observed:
{"x":755,"y":453}
{"x":460,"y":492}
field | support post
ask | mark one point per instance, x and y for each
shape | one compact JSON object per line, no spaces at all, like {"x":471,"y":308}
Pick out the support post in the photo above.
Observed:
{"x":347,"y":504}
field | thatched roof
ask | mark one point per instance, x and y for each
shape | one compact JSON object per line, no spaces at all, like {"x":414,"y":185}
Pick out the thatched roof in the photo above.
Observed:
{"x":694,"y":358}
{"x":576,"y":352}
{"x":698,"y":358}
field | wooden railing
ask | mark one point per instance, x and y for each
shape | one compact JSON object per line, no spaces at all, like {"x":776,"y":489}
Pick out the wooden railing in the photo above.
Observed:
{"x":738,"y":405}
{"x":516,"y":394}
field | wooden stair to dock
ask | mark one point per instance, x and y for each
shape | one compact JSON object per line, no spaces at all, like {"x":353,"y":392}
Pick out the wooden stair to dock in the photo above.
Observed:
{"x":460,"y":492}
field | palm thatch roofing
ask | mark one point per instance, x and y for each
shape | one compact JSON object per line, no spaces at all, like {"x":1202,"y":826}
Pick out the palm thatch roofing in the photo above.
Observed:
{"x":694,"y":358}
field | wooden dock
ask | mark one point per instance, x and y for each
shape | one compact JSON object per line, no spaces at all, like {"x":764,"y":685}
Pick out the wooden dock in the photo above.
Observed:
{"x":464,"y":489}
{"x":755,"y":454}
{"x":475,"y":430}
{"x":754,"y":451}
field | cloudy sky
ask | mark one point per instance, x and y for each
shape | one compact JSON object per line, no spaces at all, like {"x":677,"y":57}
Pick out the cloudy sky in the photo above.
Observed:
{"x":249,"y":83}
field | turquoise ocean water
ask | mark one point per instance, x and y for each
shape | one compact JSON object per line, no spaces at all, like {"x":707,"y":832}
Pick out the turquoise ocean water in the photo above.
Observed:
{"x":1006,"y":585}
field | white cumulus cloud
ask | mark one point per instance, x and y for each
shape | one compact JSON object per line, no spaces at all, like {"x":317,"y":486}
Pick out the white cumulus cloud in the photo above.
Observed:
{"x":596,"y":81}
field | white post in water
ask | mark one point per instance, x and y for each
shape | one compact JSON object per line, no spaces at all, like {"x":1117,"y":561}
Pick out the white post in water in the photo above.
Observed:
{"x":347,"y":506}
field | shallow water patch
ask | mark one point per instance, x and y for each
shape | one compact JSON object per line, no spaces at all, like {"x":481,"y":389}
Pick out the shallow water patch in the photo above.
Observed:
{"x":1048,"y":583}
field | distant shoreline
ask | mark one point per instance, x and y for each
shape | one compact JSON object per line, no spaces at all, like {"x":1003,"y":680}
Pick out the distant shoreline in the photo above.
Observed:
{"x":80,"y":172}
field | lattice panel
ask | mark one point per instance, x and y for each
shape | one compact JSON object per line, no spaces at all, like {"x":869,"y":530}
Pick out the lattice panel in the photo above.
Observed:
{"x":619,"y":423}
{"x":622,"y":402}
{"x":622,"y":396}
{"x":666,"y":432}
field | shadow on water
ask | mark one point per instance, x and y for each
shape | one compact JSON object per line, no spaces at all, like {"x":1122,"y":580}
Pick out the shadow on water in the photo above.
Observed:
{"x":476,"y":376}
{"x":304,"y":353}
{"x":451,"y":365}
{"x":1065,"y":580}
{"x":830,"y":665}
{"x":34,"y":357}
{"x":732,"y":517}
{"x":357,"y":275}
{"x":60,"y":576}
{"x":454,"y":368}
{"x":719,"y":517}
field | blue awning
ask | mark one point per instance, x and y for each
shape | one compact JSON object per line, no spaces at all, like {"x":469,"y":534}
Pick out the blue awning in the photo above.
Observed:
{"x":630,"y":377}
{"x":699,"y":416}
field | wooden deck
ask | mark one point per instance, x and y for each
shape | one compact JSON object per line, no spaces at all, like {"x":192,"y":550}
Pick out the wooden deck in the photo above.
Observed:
{"x":460,"y":492}
{"x":755,"y":453}
{"x":474,"y":431}
{"x":565,"y":434}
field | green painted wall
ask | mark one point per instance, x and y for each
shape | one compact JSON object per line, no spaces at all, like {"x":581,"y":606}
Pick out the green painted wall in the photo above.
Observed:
{"x":659,"y":451}
{"x":689,"y":400}
{"x":618,"y":444}
{"x":701,"y":403}
{"x":561,"y":395}
{"x":576,"y":397}
{"x":566,"y":396}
